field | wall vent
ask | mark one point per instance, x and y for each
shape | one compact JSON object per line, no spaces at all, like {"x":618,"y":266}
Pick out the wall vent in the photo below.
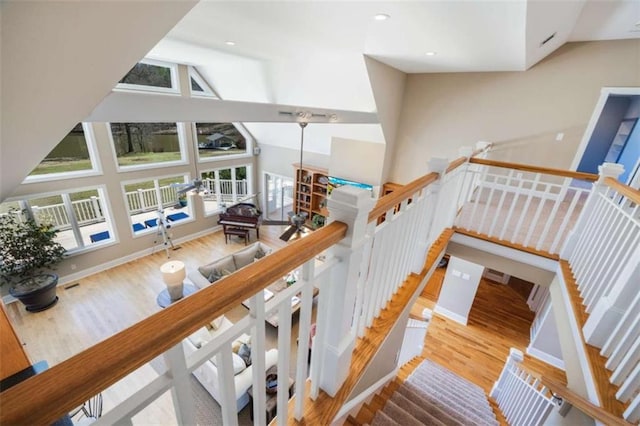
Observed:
{"x":548,"y":39}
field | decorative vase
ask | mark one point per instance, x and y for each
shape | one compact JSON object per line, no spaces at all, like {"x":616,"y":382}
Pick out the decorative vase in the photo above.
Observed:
{"x":37,"y":293}
{"x":173,"y":275}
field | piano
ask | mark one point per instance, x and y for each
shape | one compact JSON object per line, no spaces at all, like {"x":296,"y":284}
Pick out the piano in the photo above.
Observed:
{"x":241,"y":216}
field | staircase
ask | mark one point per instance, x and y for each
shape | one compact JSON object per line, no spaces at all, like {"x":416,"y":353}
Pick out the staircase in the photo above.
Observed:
{"x":431,"y":395}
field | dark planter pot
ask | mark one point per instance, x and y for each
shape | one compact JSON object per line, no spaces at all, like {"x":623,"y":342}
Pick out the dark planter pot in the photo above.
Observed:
{"x":37,"y":293}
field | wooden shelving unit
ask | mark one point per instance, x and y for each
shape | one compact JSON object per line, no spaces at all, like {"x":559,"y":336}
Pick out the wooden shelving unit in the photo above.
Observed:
{"x":311,"y":192}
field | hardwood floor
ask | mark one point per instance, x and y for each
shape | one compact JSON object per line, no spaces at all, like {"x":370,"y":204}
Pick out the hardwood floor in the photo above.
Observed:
{"x":499,"y":320}
{"x":105,"y":303}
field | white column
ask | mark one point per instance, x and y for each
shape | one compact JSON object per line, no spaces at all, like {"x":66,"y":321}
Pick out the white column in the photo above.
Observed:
{"x":605,"y":170}
{"x":352,"y":206}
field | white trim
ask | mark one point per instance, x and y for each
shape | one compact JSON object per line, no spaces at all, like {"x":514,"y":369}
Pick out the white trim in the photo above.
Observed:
{"x":577,"y":341}
{"x":605,"y":92}
{"x":94,"y":158}
{"x":543,"y":356}
{"x":355,"y":403}
{"x":509,"y":253}
{"x":173,"y":70}
{"x":450,"y":314}
{"x":183,"y":161}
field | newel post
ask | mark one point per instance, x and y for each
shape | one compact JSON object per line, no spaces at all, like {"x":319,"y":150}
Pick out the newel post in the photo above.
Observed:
{"x":439,"y":216}
{"x":605,"y":170}
{"x":515,"y":356}
{"x":350,"y":205}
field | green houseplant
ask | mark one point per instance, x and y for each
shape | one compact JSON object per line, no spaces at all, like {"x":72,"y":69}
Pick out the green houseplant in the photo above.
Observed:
{"x":27,"y":251}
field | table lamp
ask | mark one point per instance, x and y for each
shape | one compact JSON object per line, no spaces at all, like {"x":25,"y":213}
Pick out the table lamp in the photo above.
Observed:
{"x":173,"y":275}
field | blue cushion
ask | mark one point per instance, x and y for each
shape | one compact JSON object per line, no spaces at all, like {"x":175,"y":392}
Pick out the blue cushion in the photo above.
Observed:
{"x":177,"y":216}
{"x":150,"y":223}
{"x":104,"y":235}
{"x":138,"y":227}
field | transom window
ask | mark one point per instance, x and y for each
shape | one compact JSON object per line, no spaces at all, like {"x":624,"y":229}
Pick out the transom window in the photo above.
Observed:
{"x":225,"y":186}
{"x":141,"y":144}
{"x":151,"y":75}
{"x":151,"y":203}
{"x":219,"y":140}
{"x":72,"y":156}
{"x":198,"y":85}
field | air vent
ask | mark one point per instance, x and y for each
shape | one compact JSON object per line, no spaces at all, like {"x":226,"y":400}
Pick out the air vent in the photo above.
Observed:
{"x":548,"y":39}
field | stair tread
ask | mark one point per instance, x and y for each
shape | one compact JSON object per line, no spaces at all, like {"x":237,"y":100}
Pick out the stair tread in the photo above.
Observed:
{"x":423,"y":415}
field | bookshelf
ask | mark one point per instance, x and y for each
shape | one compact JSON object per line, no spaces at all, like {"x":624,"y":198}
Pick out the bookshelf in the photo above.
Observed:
{"x":311,"y":193}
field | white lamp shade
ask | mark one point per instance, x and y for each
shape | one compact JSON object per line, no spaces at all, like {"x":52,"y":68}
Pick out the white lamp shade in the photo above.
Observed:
{"x":173,"y":273}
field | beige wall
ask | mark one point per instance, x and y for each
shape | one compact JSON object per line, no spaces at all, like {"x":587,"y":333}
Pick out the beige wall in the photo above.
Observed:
{"x":521,"y":112}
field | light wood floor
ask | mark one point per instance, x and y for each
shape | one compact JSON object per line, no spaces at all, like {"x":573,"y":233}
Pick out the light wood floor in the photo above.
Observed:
{"x":499,"y":320}
{"x":111,"y":301}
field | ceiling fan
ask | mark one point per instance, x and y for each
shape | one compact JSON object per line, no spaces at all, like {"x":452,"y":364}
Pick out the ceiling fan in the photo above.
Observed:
{"x":297,"y":218}
{"x":196,"y":185}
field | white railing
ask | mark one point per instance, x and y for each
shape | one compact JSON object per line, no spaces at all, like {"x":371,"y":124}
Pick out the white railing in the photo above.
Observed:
{"x":541,"y":314}
{"x":603,"y":252}
{"x":86,"y":211}
{"x":521,"y":397}
{"x":532,"y":209}
{"x":227,"y":193}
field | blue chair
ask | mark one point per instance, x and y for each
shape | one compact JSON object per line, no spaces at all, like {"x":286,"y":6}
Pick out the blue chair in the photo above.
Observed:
{"x":138,"y":227}
{"x":177,"y":216}
{"x":104,"y":235}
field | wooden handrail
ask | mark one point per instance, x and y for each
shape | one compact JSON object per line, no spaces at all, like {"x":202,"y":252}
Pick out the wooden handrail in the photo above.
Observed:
{"x":622,"y":189}
{"x":455,"y":164}
{"x":47,"y":396}
{"x":581,"y":403}
{"x":536,"y":169}
{"x":394,"y":198}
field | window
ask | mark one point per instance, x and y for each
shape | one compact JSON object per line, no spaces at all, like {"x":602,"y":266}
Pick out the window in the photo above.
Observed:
{"x":225,"y":187}
{"x":70,"y":156}
{"x":219,"y":140}
{"x":140,"y":144}
{"x":150,"y":200}
{"x":151,"y":76}
{"x":198,"y":85}
{"x":278,"y":196}
{"x":81,"y":217}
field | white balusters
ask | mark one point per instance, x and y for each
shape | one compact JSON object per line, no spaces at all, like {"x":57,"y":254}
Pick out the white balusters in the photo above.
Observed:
{"x":521,"y":396}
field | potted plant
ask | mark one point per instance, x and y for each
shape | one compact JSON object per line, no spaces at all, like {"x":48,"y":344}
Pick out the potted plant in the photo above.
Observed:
{"x":182,"y":200}
{"x":27,"y":251}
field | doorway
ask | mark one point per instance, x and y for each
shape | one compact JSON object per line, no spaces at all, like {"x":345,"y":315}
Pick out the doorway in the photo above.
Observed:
{"x":278,"y":196}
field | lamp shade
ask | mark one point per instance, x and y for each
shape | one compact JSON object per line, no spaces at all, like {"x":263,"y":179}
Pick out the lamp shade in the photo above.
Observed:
{"x":173,"y":272}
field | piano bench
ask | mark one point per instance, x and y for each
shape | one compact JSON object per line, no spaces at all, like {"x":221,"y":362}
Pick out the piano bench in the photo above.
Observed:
{"x":241,"y":232}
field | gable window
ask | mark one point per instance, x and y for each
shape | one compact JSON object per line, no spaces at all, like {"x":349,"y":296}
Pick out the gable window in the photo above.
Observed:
{"x":150,"y":75}
{"x":219,"y":140}
{"x":150,"y":200}
{"x":198,"y":85}
{"x":71,"y":157}
{"x":143,"y":144}
{"x":225,"y":186}
{"x":81,"y":217}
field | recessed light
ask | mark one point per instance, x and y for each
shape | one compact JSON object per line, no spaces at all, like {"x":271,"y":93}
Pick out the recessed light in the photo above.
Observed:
{"x":381,"y":17}
{"x":430,"y":53}
{"x":230,"y":43}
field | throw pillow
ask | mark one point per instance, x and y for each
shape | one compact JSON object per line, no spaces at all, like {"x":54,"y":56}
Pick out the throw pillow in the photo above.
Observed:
{"x":245,"y":353}
{"x":259,"y":253}
{"x":215,"y":275}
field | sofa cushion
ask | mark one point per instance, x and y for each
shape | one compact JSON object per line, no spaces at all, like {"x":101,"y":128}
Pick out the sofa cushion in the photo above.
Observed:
{"x":224,"y":264}
{"x":244,"y":257}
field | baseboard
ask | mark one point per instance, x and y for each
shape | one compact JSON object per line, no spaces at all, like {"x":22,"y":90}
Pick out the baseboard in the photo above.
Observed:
{"x":451,"y":315}
{"x":67,"y":279}
{"x":543,"y":356}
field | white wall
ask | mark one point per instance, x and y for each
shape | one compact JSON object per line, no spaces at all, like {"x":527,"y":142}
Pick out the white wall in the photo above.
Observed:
{"x":360,"y":161}
{"x":546,"y":343}
{"x":59,"y":59}
{"x":459,"y":288}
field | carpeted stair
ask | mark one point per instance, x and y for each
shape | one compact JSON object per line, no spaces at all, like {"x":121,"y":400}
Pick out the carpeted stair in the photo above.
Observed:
{"x":433,"y":395}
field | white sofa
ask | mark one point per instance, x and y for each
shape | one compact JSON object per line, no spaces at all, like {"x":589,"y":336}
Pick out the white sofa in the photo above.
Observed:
{"x":208,"y":274}
{"x":207,"y":373}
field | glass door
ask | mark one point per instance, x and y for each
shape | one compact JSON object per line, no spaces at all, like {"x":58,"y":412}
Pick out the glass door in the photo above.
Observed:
{"x":278,"y":196}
